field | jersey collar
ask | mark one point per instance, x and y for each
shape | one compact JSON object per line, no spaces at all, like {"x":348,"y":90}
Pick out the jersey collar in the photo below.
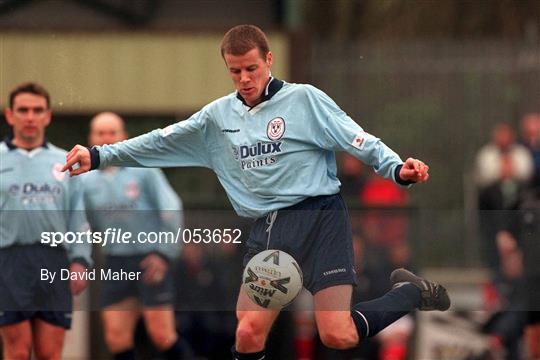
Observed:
{"x":11,"y":146}
{"x":273,"y":86}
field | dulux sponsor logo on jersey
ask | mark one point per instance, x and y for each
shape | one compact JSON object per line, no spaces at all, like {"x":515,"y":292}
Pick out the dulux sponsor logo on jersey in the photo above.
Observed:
{"x":259,"y":149}
{"x":34,"y":189}
{"x":252,"y":156}
{"x":35,"y":193}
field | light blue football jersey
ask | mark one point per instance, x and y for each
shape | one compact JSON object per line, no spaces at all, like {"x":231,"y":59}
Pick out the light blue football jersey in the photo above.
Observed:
{"x":138,"y":201}
{"x":35,"y":197}
{"x":268,"y":157}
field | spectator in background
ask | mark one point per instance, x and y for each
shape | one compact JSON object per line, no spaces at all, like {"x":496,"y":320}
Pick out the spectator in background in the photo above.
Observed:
{"x":139,"y":201}
{"x":503,"y":171}
{"x":508,"y":300}
{"x":379,"y":192}
{"x":503,"y":168}
{"x":530,"y":137}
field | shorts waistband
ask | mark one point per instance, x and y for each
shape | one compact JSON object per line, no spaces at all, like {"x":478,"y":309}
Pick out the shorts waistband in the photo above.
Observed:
{"x":305,"y":204}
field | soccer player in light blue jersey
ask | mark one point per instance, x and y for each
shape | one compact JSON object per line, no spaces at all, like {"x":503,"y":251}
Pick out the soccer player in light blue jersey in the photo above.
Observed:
{"x":138,"y":201}
{"x":272,"y":146}
{"x":36,"y":197}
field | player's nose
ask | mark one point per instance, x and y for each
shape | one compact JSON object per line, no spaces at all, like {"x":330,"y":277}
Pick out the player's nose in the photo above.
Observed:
{"x":244,"y":77}
{"x":30,"y":116}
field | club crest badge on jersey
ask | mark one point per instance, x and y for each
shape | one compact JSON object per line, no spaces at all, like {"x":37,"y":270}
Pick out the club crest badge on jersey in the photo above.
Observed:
{"x":132,"y":190}
{"x":275,"y":129}
{"x":57,"y":173}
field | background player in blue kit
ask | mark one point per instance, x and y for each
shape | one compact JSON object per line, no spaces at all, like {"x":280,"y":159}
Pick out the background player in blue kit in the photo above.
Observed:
{"x":35,"y":197}
{"x":139,"y":201}
{"x":271,"y":145}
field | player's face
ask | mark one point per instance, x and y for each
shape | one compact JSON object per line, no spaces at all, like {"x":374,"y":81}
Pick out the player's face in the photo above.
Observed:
{"x":250,"y":73}
{"x":107,"y":131}
{"x":531,"y":128}
{"x":29,"y":117}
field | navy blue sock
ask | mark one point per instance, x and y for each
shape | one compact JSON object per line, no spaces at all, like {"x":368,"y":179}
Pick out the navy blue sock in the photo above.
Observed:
{"x":370,"y":317}
{"x":125,"y":355}
{"x":248,"y":356}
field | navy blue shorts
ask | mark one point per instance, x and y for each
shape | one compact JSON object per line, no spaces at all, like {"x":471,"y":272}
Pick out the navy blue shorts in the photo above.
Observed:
{"x":24,"y":295}
{"x":114,"y":291}
{"x":317,"y":233}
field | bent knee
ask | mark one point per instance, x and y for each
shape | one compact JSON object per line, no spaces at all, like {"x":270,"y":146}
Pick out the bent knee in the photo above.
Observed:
{"x":250,"y":336}
{"x":118,"y":340}
{"x":339,"y":340}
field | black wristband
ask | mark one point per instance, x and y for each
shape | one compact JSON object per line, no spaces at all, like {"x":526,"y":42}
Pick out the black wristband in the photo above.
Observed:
{"x":399,"y":180}
{"x":94,"y":158}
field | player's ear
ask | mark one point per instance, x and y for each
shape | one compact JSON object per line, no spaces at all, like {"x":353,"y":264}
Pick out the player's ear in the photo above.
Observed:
{"x":48,"y":117}
{"x":269,"y":58}
{"x":8,"y":113}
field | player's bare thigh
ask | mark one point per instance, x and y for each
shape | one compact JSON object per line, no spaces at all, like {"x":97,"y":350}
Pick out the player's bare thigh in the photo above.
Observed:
{"x":48,"y":340}
{"x":333,"y":317}
{"x":16,"y":340}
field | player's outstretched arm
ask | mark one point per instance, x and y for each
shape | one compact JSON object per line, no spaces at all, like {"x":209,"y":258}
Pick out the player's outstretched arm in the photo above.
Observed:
{"x":78,"y":155}
{"x":414,"y":170}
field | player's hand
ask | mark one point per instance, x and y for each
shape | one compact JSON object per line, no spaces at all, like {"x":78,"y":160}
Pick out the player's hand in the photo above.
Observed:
{"x":154,"y":268}
{"x":78,"y":155}
{"x":77,"y":286}
{"x":414,"y":170}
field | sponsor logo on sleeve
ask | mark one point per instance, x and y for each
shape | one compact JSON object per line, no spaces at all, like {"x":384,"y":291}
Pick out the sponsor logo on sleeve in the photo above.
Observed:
{"x":358,"y":142}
